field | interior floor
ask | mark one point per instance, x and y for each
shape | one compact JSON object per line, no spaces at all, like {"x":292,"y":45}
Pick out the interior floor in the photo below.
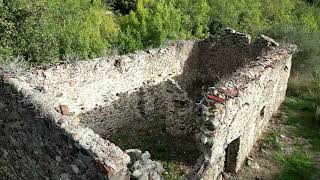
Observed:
{"x":177,"y":154}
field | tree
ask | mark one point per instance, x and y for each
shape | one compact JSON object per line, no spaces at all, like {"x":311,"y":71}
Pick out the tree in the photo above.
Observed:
{"x":123,"y":6}
{"x":49,"y":30}
{"x":153,"y":23}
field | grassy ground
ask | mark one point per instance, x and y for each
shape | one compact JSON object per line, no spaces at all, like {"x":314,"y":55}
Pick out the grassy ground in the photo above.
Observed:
{"x":177,"y":155}
{"x":302,"y":163}
{"x":289,"y":150}
{"x":300,"y":113}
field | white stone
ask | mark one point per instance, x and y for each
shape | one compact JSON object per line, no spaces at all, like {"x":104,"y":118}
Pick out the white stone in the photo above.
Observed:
{"x":64,"y":176}
{"x":58,"y":159}
{"x":75,"y":168}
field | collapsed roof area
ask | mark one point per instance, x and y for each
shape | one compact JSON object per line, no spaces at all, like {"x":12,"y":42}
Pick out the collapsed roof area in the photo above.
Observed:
{"x":203,"y":104}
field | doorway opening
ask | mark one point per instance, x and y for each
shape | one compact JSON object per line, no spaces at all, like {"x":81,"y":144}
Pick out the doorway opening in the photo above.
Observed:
{"x":231,"y":156}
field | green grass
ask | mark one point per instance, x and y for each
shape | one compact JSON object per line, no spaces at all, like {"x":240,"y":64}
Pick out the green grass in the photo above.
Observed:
{"x":175,"y":171}
{"x":300,"y":113}
{"x":271,"y":139}
{"x":297,"y":166}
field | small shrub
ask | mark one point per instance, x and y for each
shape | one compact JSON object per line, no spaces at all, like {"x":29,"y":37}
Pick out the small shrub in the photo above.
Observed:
{"x":129,"y":41}
{"x":307,"y":40}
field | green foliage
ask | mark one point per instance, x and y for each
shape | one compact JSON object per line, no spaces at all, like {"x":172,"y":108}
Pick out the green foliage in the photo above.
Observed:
{"x":123,"y":6}
{"x":297,"y":166}
{"x":300,"y":113}
{"x":306,"y":15}
{"x":301,"y":28}
{"x":315,"y":3}
{"x":87,"y":31}
{"x":49,"y":30}
{"x":244,"y":15}
{"x":257,"y":16}
{"x":153,"y":23}
{"x":278,"y":12}
{"x":175,"y":171}
{"x":195,"y":16}
{"x":31,"y":35}
{"x":306,"y":39}
{"x":5,"y":32}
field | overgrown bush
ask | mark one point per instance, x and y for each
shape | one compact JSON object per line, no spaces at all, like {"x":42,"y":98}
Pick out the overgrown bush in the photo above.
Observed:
{"x":244,"y":15}
{"x":156,"y":21}
{"x":278,"y":12}
{"x":306,"y":39}
{"x":122,"y":6}
{"x":49,"y":30}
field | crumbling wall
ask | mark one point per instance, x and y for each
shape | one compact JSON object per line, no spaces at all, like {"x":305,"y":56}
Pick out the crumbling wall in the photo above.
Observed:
{"x":217,"y":58}
{"x":102,"y":95}
{"x":238,"y":108}
{"x":220,"y":92}
{"x":109,"y":93}
{"x":33,"y":148}
{"x":110,"y":159}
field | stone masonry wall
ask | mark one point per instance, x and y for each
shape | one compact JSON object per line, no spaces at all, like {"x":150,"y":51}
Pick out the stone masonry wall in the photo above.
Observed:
{"x":33,"y":148}
{"x":240,"y":107}
{"x":222,"y":91}
{"x":130,"y":87}
{"x":108,"y":93}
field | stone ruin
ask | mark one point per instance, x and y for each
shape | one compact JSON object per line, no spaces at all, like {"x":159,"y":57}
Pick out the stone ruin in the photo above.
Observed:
{"x":217,"y":95}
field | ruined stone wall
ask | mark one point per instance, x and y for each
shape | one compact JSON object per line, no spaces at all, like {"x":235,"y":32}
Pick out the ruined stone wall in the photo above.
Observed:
{"x":101,"y":95}
{"x":237,"y":109}
{"x":52,"y":125}
{"x":216,"y":58}
{"x":33,"y":148}
{"x":222,"y":91}
{"x":107,"y":93}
